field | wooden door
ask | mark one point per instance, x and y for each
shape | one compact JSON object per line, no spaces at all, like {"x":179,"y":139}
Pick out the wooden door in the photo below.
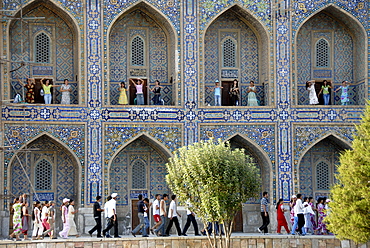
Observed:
{"x":135,"y":219}
{"x":317,"y":89}
{"x":132,"y":92}
{"x":225,"y":95}
{"x":238,"y":222}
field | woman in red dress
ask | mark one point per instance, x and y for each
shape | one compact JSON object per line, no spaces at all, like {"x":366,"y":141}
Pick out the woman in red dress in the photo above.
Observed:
{"x":281,"y":217}
{"x":30,"y":86}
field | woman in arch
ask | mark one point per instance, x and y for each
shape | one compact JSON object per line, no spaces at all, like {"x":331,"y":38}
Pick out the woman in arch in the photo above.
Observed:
{"x":281,"y":217}
{"x":66,"y":92}
{"x":71,"y":219}
{"x":139,"y":90}
{"x":122,"y":100}
{"x":47,"y":90}
{"x":30,"y":86}
{"x":321,"y":226}
{"x":235,"y":93}
{"x":252,"y":97}
{"x":157,"y":92}
{"x":310,"y":87}
{"x":325,"y":91}
{"x":344,"y":96}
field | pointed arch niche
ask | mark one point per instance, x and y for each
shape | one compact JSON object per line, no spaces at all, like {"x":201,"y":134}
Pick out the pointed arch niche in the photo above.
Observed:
{"x":259,"y":157}
{"x":159,"y":39}
{"x":317,"y":167}
{"x":251,"y":41}
{"x":343,"y":44}
{"x":63,"y":63}
{"x":141,"y":154}
{"x":63,"y":170}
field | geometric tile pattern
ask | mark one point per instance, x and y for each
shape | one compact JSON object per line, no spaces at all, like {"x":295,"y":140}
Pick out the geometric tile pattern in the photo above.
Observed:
{"x":290,"y":130}
{"x":121,"y":169}
{"x":247,"y":53}
{"x":65,"y":184}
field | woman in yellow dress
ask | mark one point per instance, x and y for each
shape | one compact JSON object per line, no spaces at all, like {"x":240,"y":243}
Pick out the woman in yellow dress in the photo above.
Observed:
{"x":123,"y":94}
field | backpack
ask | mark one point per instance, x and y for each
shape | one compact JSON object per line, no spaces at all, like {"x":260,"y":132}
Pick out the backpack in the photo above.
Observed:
{"x":17,"y":98}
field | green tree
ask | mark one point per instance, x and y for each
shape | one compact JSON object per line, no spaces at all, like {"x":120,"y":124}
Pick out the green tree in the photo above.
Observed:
{"x":349,"y":215}
{"x":215,"y":180}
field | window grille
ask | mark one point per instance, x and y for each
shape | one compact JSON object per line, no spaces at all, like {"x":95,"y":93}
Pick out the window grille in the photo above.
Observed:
{"x":322,"y":176}
{"x":137,"y":51}
{"x":322,"y":53}
{"x":138,"y":174}
{"x":42,"y":51}
{"x":229,"y":53}
{"x":43,"y":175}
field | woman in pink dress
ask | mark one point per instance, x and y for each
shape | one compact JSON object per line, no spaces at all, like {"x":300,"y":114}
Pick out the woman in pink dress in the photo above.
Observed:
{"x":64,"y":233}
{"x":321,"y":226}
{"x":312,"y":219}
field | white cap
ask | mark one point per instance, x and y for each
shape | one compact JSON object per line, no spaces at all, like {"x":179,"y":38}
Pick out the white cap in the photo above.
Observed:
{"x":328,"y":200}
{"x":114,"y":195}
{"x":65,"y":200}
{"x":216,"y":81}
{"x":294,"y":196}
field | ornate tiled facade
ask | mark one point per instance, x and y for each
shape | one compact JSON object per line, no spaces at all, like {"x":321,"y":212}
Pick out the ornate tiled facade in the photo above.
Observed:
{"x":101,"y":140}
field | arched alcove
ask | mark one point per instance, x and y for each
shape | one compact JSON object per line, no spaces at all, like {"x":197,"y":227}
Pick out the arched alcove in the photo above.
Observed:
{"x":63,"y":63}
{"x":159,"y":39}
{"x":346,"y":48}
{"x":45,"y":152}
{"x":141,"y":160}
{"x":317,"y":166}
{"x":251,"y":57}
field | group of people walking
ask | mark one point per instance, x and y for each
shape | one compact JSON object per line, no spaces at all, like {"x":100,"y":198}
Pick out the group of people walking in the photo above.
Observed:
{"x":159,"y":211}
{"x":325,"y":91}
{"x":45,"y":90}
{"x":303,"y":215}
{"x":43,"y":219}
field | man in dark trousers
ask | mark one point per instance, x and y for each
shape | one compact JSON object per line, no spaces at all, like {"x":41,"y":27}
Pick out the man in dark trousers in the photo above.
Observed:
{"x":97,"y":217}
{"x":140,"y":215}
{"x":112,"y":217}
{"x":264,"y":213}
{"x":172,"y":215}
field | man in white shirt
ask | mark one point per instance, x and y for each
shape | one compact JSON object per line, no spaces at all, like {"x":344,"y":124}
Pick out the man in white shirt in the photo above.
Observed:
{"x":172,"y":215}
{"x":112,"y":217}
{"x":156,"y":213}
{"x":299,"y":213}
{"x":163,"y":213}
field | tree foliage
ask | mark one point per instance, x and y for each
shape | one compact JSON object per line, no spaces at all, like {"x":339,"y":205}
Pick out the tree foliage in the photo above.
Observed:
{"x":349,"y":216}
{"x":215,"y":180}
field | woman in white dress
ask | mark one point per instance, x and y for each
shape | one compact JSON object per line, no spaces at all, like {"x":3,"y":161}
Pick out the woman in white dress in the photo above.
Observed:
{"x":71,"y":221}
{"x":66,"y":92}
{"x":310,"y":86}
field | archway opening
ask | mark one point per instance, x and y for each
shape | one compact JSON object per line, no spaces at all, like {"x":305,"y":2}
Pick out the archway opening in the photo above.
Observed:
{"x":55,"y":57}
{"x":139,"y":168}
{"x":235,"y":47}
{"x":331,"y":45}
{"x":152,"y":58}
{"x":248,"y":218}
{"x":317,"y":168}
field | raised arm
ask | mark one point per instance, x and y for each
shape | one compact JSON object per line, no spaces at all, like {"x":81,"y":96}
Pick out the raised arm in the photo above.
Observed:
{"x":132,"y":81}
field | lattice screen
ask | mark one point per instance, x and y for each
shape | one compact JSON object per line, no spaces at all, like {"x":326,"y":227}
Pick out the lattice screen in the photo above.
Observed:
{"x":322,"y":176}
{"x":137,"y":51}
{"x":229,"y":53}
{"x":138,"y":174}
{"x":42,"y":48}
{"x":322,"y":53}
{"x":43,"y":175}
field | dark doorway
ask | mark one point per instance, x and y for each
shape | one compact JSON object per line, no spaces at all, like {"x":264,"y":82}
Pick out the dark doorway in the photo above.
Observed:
{"x":225,"y":95}
{"x":132,"y":92}
{"x":320,"y":97}
{"x":38,"y":87}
